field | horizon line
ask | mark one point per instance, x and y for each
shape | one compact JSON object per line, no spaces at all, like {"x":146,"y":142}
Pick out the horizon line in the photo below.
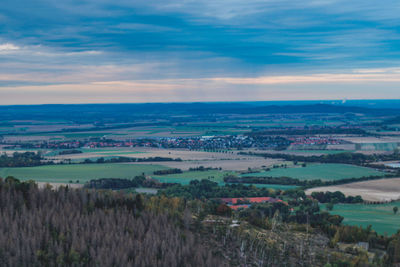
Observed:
{"x":207,"y":102}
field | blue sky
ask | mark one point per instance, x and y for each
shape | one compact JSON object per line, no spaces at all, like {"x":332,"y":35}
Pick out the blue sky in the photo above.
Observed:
{"x":74,"y":51}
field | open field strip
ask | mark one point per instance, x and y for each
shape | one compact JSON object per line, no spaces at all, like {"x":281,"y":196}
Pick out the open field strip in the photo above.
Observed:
{"x":380,"y":216}
{"x":190,"y":159}
{"x":81,"y":172}
{"x":329,"y":171}
{"x":374,"y":190}
{"x":226,"y":165}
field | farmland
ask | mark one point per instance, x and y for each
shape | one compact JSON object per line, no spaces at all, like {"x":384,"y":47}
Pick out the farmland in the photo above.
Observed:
{"x":375,"y":190}
{"x":213,"y":138}
{"x":380,"y":216}
{"x":320,"y":171}
{"x":190,"y":159}
{"x":81,"y":172}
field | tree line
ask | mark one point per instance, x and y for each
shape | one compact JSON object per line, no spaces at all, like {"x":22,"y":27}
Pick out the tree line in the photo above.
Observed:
{"x":25,"y":159}
{"x":303,"y":183}
{"x":335,"y":197}
{"x":344,"y":157}
{"x":31,"y":159}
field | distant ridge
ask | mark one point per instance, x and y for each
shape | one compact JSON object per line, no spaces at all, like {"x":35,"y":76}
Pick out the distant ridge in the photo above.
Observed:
{"x":79,"y":112}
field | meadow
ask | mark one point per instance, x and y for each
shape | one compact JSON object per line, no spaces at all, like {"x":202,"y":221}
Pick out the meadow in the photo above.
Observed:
{"x":81,"y":172}
{"x":380,"y":216}
{"x":319,"y":171}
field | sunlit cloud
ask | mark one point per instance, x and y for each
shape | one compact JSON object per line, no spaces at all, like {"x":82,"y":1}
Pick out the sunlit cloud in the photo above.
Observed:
{"x":121,"y":51}
{"x":360,"y":76}
{"x":7,"y":47}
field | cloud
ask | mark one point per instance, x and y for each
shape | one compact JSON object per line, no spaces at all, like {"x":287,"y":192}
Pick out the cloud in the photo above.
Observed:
{"x":235,"y":45}
{"x":6,"y":47}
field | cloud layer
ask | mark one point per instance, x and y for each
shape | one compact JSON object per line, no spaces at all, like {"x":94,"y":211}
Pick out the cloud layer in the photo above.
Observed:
{"x":149,"y":51}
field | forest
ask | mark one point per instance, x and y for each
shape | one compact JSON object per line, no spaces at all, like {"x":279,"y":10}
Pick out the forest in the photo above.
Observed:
{"x":86,"y":227}
{"x":294,"y":181}
{"x":67,"y":227}
{"x":26,"y":159}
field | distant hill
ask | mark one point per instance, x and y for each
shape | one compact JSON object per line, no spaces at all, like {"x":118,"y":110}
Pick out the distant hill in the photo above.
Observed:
{"x":127,"y":112}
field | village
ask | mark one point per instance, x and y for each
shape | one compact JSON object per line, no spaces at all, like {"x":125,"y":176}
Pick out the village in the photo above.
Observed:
{"x":192,"y":143}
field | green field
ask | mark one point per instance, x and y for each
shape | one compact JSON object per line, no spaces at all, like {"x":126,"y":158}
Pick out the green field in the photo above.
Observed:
{"x":81,"y":172}
{"x":380,"y":216}
{"x":319,"y":171}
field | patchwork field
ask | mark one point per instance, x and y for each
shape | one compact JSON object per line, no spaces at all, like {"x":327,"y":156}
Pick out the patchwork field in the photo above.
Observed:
{"x":145,"y":152}
{"x":227,"y":165}
{"x":380,"y":216}
{"x":190,"y":159}
{"x":320,"y":171}
{"x":375,"y":190}
{"x":81,"y":172}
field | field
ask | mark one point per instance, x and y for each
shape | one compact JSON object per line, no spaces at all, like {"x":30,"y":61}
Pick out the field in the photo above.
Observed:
{"x":190,"y":159}
{"x":384,"y":143}
{"x":320,"y":171}
{"x":225,"y":164}
{"x":375,"y":190}
{"x":380,"y":216}
{"x":81,"y":172}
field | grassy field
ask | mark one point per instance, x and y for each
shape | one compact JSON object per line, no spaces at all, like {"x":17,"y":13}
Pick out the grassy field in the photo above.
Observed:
{"x":320,"y":171}
{"x":81,"y":172}
{"x":380,"y":216}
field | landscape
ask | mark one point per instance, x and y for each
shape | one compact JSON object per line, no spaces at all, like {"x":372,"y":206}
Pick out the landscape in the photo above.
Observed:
{"x":244,"y":169}
{"x":200,"y":133}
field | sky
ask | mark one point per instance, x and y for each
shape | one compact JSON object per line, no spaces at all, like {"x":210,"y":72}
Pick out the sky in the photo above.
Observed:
{"x":102,"y":51}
